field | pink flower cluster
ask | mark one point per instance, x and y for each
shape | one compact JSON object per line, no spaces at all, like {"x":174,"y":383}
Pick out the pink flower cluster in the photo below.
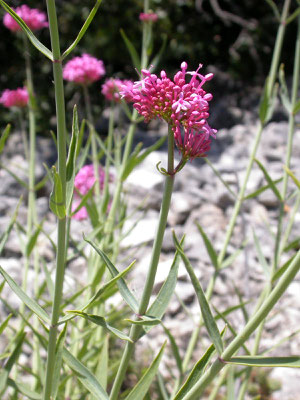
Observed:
{"x":33,"y":18}
{"x":85,"y":69}
{"x":184,"y":105}
{"x":84,"y":181}
{"x":112,"y":87}
{"x":148,"y":17}
{"x":14,"y":98}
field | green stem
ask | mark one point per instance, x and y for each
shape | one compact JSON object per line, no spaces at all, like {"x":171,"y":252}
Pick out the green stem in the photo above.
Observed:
{"x":105,"y":195}
{"x":61,"y":237}
{"x":156,"y":250}
{"x":271,"y":82}
{"x":251,"y":326}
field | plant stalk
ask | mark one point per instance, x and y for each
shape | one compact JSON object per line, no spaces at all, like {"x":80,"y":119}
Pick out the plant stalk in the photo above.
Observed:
{"x":61,"y":228}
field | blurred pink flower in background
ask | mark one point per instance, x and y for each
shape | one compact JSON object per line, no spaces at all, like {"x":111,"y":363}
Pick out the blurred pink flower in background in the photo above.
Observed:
{"x":84,"y":181}
{"x":85,"y":69}
{"x":149,"y":17}
{"x":14,"y":98}
{"x":184,"y":105}
{"x":113,"y":86}
{"x":33,"y":18}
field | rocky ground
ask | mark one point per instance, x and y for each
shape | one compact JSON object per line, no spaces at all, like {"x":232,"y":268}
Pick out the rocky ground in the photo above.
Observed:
{"x":199,"y":196}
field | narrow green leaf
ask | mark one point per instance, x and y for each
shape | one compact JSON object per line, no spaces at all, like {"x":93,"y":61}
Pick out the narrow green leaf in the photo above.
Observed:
{"x":32,"y":240}
{"x":132,"y":51}
{"x":261,"y":257}
{"x":49,"y":281}
{"x":209,"y":247}
{"x":208,"y":318}
{"x":30,"y":303}
{"x":12,"y":360}
{"x":296,"y":108}
{"x":4,"y":136}
{"x":83,"y":200}
{"x":135,"y":158}
{"x":175,"y":349}
{"x":80,"y":138}
{"x":258,"y":361}
{"x":96,"y":319}
{"x":282,"y":269}
{"x":83,"y":29}
{"x":41,"y":183}
{"x":145,"y":320}
{"x":162,"y":300}
{"x":217,"y":173}
{"x":4,"y":323}
{"x":273,"y":5}
{"x":229,"y":260}
{"x":34,"y":40}
{"x":267,"y":102}
{"x":58,"y":361}
{"x":141,"y":388}
{"x":124,"y":290}
{"x":196,"y":372}
{"x":294,"y":244}
{"x":293,"y":16}
{"x":284,"y":94}
{"x":269,"y":180}
{"x":71,"y":162}
{"x":261,"y":190}
{"x":23,"y":389}
{"x":100,"y":292}
{"x":155,"y":61}
{"x":85,"y":376}
{"x":16,"y":178}
{"x":291,"y":174}
{"x":57,"y":203}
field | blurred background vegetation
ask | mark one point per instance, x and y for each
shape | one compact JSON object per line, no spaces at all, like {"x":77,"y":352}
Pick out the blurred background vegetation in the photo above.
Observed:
{"x":235,"y":37}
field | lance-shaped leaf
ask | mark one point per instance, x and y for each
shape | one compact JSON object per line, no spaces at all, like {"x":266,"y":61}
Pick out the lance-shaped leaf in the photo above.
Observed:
{"x":162,"y":300}
{"x":155,"y":61}
{"x":141,"y":388}
{"x":124,"y":290}
{"x":175,"y":349}
{"x":209,"y":247}
{"x":100,"y":292}
{"x":196,"y":372}
{"x":267,"y":102}
{"x":261,"y":257}
{"x":145,"y":320}
{"x":11,"y":361}
{"x":261,"y":190}
{"x":4,"y":136}
{"x":132,"y":51}
{"x":136,"y":158}
{"x":269,"y":180}
{"x":259,"y":361}
{"x":32,"y":240}
{"x":4,"y":323}
{"x":23,"y":389}
{"x":83,"y":29}
{"x":5,"y":234}
{"x":34,"y":40}
{"x":98,"y":320}
{"x":85,"y":376}
{"x":71,"y":162}
{"x":296,"y":108}
{"x":57,"y":203}
{"x":208,"y":318}
{"x":30,"y":303}
{"x":292,"y":175}
{"x":16,"y":178}
{"x":284,"y":94}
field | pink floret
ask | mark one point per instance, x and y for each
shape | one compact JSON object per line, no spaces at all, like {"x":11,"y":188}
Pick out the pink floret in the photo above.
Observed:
{"x":85,"y":69}
{"x":33,"y":18}
{"x":149,"y":17}
{"x":116,"y":89}
{"x":14,"y":98}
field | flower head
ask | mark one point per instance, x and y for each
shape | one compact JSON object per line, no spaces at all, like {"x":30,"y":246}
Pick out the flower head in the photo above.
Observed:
{"x":182,"y":103}
{"x":33,"y":18}
{"x":112,"y":88}
{"x":148,"y":17}
{"x":14,"y":98}
{"x":85,"y":69}
{"x":84,"y":181}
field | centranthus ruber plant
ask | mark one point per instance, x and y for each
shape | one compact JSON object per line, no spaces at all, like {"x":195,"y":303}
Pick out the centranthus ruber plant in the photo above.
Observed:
{"x":79,"y":328}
